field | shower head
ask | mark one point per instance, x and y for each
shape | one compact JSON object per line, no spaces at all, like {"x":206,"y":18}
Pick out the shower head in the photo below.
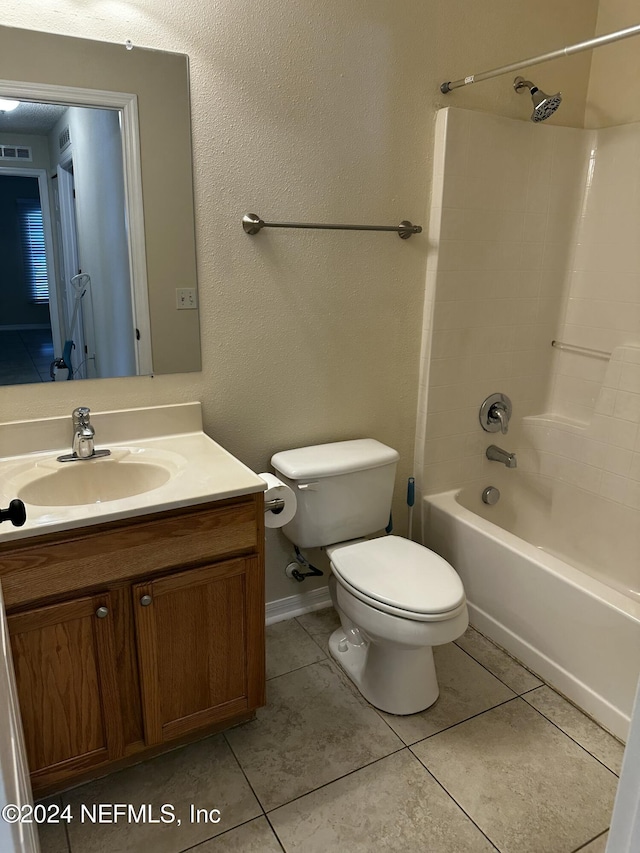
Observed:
{"x":543,"y":105}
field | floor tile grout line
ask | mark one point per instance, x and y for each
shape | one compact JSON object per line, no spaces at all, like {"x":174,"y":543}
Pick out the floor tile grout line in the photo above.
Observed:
{"x":65,"y":824}
{"x":461,"y":722}
{"x":343,"y":776}
{"x":515,"y":696}
{"x":344,"y":677}
{"x":617,"y":775}
{"x":194,"y":847}
{"x":501,"y":680}
{"x":531,"y":690}
{"x":211,"y":837}
{"x":580,"y":711}
{"x":484,"y":712}
{"x":595,"y":838}
{"x":219,"y":835}
{"x":295,"y":669}
{"x":379,"y":713}
{"x":66,"y":834}
{"x":314,"y":638}
{"x":231,"y":749}
{"x":453,"y":799}
{"x":505,"y":653}
{"x":273,"y":829}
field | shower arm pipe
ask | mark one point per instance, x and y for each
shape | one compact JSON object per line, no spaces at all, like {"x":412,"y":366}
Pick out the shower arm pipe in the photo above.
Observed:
{"x":544,"y":57}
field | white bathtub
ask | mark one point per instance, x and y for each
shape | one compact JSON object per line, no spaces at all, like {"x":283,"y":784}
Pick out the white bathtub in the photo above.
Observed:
{"x":552,"y":574}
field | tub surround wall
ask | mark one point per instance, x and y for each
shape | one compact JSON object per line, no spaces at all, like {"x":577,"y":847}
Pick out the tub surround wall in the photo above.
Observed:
{"x":506,"y":200}
{"x":602,"y":308}
{"x":601,"y":456}
{"x":497,"y":303}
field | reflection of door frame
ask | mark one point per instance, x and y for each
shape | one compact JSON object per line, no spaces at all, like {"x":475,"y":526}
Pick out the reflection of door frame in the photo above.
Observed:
{"x":54,"y":296}
{"x":127,"y":103}
{"x":69,"y":239}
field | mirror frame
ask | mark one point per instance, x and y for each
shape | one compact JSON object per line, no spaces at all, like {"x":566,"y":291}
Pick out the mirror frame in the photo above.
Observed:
{"x":151,"y":89}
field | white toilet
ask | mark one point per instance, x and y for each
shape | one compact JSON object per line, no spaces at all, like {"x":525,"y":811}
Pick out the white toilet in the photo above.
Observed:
{"x":395,"y":598}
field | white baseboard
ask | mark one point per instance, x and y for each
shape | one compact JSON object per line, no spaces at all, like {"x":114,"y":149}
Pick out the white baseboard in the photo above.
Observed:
{"x":296,"y":605}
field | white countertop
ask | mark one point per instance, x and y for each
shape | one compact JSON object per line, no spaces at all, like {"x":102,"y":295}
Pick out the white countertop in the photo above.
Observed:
{"x":202,"y":470}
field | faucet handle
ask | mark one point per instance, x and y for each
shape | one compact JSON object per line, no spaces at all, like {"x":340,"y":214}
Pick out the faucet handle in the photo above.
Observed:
{"x":495,"y":413}
{"x":498,"y":414}
{"x":81,"y":416}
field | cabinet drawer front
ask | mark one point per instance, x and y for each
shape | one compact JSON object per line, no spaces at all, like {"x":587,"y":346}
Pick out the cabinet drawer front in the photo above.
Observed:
{"x":73,"y":560}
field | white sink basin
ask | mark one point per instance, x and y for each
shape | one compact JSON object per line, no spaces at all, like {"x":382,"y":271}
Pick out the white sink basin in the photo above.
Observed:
{"x":127,"y":472}
{"x":94,"y":481}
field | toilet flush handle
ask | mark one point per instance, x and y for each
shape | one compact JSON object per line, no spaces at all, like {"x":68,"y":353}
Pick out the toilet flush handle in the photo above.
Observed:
{"x":307,"y":487}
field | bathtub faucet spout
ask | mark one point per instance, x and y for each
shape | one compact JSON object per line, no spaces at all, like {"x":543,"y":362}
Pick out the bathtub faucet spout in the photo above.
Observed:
{"x":496,"y":454}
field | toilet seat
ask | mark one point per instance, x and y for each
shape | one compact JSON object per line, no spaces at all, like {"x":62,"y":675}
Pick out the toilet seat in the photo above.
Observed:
{"x":400,"y":577}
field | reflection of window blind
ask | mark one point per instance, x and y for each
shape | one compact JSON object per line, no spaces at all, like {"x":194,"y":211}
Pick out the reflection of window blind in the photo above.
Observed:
{"x":32,"y":237}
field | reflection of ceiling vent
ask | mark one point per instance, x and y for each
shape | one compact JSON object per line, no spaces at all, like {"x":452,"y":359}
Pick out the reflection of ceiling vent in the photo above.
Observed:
{"x":64,"y":140}
{"x":15,"y":152}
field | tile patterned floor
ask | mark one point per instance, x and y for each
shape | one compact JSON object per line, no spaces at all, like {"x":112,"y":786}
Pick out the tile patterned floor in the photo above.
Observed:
{"x":25,"y":356}
{"x":500,"y":763}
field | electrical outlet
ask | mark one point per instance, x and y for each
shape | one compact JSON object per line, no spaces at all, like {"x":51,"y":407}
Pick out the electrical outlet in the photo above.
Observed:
{"x":186,"y":298}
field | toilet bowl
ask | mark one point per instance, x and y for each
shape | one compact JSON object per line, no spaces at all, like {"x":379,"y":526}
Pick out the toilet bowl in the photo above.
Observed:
{"x":396,"y":600}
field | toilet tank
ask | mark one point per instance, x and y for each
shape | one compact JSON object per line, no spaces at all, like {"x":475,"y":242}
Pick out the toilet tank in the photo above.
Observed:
{"x":344,"y":490}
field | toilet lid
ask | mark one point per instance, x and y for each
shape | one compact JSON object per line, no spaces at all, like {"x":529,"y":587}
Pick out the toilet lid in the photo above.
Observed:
{"x":400,"y":573}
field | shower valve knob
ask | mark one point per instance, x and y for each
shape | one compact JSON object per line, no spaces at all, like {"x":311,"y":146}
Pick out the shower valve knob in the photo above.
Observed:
{"x":495,"y":413}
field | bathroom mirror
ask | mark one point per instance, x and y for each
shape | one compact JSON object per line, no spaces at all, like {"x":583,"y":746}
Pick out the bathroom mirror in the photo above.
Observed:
{"x":101,"y":144}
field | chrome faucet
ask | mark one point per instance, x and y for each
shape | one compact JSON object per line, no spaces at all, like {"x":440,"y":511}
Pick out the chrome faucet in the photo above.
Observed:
{"x":497,"y":454}
{"x":83,"y":433}
{"x":83,"y":438}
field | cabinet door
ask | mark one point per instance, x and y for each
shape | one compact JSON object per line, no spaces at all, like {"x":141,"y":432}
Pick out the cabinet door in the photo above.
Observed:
{"x":66,"y":678}
{"x":200,"y":647}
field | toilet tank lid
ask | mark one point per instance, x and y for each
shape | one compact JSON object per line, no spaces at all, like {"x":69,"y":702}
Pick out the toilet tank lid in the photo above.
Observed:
{"x":338,"y":457}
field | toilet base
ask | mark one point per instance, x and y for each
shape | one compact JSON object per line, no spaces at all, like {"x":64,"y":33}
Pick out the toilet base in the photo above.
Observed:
{"x":395,"y":680}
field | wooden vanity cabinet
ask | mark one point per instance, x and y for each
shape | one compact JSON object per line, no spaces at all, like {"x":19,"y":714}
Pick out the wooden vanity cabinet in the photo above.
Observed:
{"x":158,"y":636}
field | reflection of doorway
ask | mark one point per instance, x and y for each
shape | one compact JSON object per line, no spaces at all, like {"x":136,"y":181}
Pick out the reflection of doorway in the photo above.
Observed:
{"x":29,"y":317}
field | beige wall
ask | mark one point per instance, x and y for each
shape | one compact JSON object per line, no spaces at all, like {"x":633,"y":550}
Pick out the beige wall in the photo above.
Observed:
{"x":614,"y":85}
{"x":314,"y":112}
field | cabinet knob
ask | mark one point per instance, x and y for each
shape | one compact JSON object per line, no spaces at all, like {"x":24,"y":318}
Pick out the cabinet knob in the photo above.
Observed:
{"x":146,"y":600}
{"x":101,"y":612}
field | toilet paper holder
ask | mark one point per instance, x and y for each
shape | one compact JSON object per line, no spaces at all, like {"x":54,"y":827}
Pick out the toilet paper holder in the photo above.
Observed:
{"x":275,"y":505}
